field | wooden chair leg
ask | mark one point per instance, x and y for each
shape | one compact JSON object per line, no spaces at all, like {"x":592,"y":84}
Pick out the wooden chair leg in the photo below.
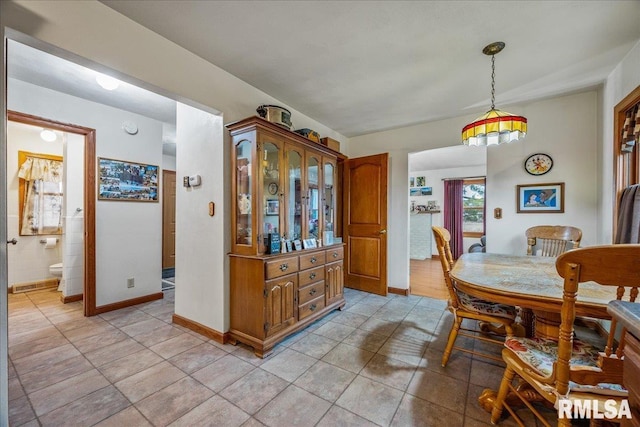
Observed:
{"x":453,"y":334}
{"x":498,"y":406}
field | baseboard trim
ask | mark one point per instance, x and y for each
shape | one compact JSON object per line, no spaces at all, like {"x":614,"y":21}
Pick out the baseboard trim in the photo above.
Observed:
{"x":71,"y":298}
{"x":128,"y":303}
{"x":36,"y":285}
{"x":398,"y":291}
{"x":435,"y":257}
{"x":217,"y":336}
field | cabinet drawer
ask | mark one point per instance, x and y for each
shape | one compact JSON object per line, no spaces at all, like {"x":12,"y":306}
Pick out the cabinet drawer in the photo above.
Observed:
{"x":281,"y":267}
{"x":311,"y":307}
{"x":310,"y":276}
{"x":312,"y":260}
{"x":335,"y":254}
{"x":310,"y":292}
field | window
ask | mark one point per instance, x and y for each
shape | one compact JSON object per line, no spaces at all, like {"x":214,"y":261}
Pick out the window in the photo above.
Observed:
{"x":473,"y":207}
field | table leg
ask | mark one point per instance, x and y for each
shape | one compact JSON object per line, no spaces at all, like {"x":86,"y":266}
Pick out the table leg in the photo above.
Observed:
{"x":488,"y":397}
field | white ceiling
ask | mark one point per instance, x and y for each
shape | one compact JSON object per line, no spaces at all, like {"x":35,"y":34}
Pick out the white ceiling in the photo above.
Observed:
{"x":364,"y":66}
{"x":458,"y":156}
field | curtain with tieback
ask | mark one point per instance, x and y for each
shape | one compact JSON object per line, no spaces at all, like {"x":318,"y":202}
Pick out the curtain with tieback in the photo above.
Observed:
{"x":42,"y":205}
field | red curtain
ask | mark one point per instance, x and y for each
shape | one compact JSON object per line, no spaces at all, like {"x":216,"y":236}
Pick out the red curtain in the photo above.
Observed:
{"x":453,"y":214}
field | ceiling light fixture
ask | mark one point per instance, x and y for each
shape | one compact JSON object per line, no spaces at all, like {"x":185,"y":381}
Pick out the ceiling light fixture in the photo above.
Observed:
{"x":48,"y":135}
{"x":107,"y":82}
{"x":495,"y":127}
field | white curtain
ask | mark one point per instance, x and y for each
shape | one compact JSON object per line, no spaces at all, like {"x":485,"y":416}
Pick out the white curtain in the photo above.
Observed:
{"x":42,"y":208}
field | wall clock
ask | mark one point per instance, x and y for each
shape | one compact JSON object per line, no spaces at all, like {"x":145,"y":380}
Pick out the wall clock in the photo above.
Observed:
{"x":538,"y":164}
{"x":273,"y":188}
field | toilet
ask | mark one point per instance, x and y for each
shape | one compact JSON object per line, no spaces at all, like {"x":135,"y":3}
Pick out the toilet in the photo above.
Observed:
{"x":56,"y":270}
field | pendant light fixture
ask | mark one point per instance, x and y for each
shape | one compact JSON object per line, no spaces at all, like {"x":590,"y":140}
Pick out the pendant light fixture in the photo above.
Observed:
{"x":495,"y":127}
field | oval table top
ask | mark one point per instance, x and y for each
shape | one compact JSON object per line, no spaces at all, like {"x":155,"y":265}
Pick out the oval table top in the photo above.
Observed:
{"x":526,"y":281}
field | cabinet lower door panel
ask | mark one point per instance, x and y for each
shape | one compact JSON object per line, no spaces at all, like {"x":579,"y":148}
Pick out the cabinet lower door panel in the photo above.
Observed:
{"x":280,"y":304}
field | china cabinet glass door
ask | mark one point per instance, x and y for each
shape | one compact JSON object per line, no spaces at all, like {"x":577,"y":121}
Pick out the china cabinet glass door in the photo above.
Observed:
{"x":270,"y":169}
{"x":243,"y":192}
{"x":313,"y":198}
{"x":294,"y":195}
{"x":329,"y":203}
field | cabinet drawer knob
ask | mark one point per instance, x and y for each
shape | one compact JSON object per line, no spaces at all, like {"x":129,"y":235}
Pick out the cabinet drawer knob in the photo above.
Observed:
{"x":335,"y":254}
{"x":312,"y":307}
{"x":312,"y":276}
{"x":312,"y":291}
{"x":313,"y":260}
{"x":283,"y":267}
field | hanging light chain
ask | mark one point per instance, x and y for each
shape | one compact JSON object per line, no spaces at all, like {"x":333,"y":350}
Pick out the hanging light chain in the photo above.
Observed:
{"x":493,"y":82}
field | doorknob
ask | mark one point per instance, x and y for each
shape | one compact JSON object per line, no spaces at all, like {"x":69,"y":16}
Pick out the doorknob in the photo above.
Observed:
{"x":12,"y":241}
{"x":383,"y":232}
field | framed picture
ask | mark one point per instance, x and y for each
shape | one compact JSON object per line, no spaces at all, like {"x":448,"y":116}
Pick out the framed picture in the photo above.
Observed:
{"x":420,"y":181}
{"x":412,"y":181}
{"x":127,"y":181}
{"x":541,"y":198}
{"x":273,"y":207}
{"x":297,"y":245}
{"x":414,"y":192}
{"x":426,"y":191}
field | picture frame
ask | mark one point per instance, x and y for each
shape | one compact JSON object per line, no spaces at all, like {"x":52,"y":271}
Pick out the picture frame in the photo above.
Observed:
{"x":309,"y":243}
{"x":413,"y":192}
{"x":272,"y":207}
{"x":121,"y":180}
{"x":420,"y":181}
{"x":426,"y":191}
{"x":412,"y":181}
{"x":540,"y":198}
{"x":297,"y":245}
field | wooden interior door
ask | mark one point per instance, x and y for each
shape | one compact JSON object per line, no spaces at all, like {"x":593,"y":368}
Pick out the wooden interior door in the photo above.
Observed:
{"x":365,"y":223}
{"x":168,"y":219}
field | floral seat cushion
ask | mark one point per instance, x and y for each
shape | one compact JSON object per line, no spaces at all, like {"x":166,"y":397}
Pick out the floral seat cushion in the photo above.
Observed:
{"x":486,"y":307}
{"x":540,"y":354}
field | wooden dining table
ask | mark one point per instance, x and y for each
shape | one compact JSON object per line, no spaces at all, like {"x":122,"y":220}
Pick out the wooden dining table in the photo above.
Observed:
{"x":531,"y":283}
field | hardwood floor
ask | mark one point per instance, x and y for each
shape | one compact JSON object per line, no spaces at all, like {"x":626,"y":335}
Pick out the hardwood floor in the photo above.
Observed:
{"x":426,"y":279}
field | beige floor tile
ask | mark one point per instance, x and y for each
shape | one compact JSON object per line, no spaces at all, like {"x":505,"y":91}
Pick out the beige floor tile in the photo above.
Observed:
{"x":449,"y":392}
{"x":88,"y":330}
{"x":458,"y":366}
{"x":129,"y":318}
{"x":197,"y":357}
{"x":176,"y":345}
{"x":88,"y":410}
{"x":254,"y":390}
{"x":388,"y":371}
{"x":36,"y":346}
{"x":293,"y":407}
{"x":380,"y":404}
{"x":15,"y":389}
{"x":173,"y":401}
{"x":20,"y":412}
{"x":338,"y":416}
{"x":77,"y":321}
{"x":130,"y":365}
{"x":33,"y":335}
{"x":347,"y":357}
{"x":380,"y":326}
{"x":213,"y":413}
{"x":158,"y":335}
{"x":334,"y":331}
{"x":65,"y":369}
{"x":350,"y":319}
{"x":100,"y":340}
{"x":45,"y":359}
{"x":314,"y":345}
{"x":252,"y":422}
{"x":406,"y":351}
{"x":223,"y":372}
{"x":288,"y":364}
{"x":486,"y":373}
{"x":109,"y":353}
{"x":325,"y":380}
{"x":145,"y":383}
{"x":149,"y":324}
{"x":127,"y":417}
{"x":363,"y":309}
{"x":414,"y":411}
{"x":366,"y":340}
{"x":69,"y":390}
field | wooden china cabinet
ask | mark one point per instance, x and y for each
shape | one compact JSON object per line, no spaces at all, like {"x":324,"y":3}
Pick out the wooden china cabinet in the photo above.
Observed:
{"x":285,"y":187}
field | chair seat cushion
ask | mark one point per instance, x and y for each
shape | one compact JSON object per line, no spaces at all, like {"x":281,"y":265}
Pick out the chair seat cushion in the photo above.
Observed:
{"x":540,"y":354}
{"x":486,"y":307}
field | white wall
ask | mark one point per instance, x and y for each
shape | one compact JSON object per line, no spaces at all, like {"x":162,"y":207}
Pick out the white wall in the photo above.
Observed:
{"x":168,"y":162}
{"x":28,"y":260}
{"x":566,"y":129}
{"x":201,"y":279}
{"x":128,"y":234}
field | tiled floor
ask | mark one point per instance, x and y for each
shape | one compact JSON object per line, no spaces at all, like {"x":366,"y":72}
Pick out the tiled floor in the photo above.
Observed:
{"x":377,"y":362}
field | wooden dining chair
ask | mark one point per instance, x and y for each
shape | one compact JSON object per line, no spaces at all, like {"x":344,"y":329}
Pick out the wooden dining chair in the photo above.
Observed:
{"x":568,"y":368}
{"x":552,"y":240}
{"x":464,"y":306}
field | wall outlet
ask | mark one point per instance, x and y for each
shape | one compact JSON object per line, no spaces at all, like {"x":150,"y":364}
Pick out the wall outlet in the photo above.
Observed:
{"x":130,"y":282}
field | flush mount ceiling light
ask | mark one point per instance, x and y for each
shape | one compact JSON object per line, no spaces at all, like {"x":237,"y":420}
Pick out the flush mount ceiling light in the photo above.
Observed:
{"x":107,"y":82}
{"x":494,"y":127}
{"x":48,"y":135}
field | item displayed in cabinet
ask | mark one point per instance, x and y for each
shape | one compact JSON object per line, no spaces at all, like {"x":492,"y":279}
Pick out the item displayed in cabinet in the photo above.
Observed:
{"x":309,"y":243}
{"x":272,"y":207}
{"x":297,"y":245}
{"x":273,"y":243}
{"x":328,"y":238}
{"x":275,"y":114}
{"x":273,"y":188}
{"x":331,"y":143}
{"x":244,"y":204}
{"x":311,"y":135}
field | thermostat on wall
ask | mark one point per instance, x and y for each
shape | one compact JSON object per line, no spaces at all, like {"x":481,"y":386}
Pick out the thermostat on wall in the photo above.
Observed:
{"x":194,"y":180}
